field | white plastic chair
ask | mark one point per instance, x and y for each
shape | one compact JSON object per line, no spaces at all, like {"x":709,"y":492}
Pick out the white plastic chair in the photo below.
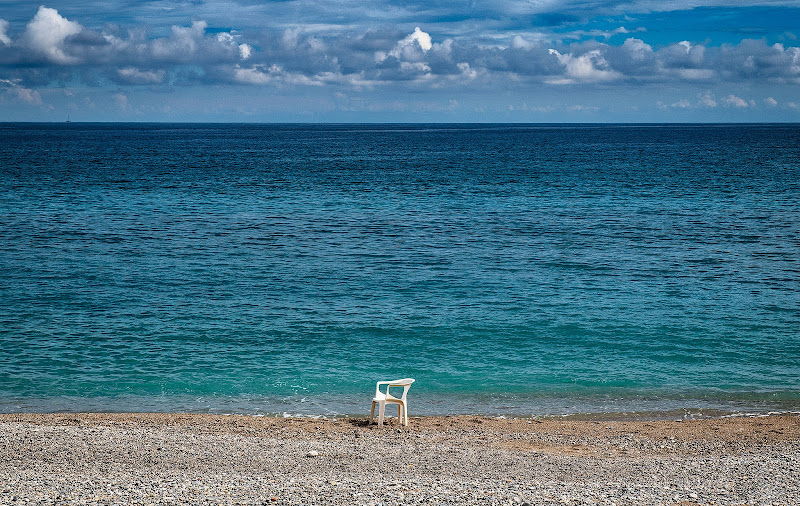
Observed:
{"x":383,"y":398}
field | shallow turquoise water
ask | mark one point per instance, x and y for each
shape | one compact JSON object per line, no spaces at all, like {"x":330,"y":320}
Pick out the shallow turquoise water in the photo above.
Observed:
{"x":510,"y":269}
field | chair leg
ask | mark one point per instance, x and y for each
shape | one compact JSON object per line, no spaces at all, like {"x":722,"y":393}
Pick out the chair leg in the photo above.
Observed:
{"x":381,"y":411}
{"x":400,"y":414}
{"x":372,"y":412}
{"x":405,"y":415}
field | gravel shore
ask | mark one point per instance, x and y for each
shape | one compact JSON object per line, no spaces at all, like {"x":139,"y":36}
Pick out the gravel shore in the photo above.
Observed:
{"x":101,"y":458}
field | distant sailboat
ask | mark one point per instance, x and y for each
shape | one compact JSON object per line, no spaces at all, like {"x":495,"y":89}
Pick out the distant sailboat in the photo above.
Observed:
{"x":68,"y":120}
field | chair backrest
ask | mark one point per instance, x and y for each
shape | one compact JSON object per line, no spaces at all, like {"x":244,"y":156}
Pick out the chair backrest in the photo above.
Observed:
{"x":405,"y":383}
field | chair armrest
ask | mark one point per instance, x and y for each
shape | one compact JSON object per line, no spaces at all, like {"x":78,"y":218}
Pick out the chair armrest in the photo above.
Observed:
{"x":403,"y":383}
{"x":378,"y":388}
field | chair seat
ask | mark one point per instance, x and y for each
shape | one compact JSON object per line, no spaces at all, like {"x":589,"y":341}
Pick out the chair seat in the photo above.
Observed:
{"x":386,"y":397}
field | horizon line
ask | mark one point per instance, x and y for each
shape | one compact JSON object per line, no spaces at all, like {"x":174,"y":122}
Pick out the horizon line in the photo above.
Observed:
{"x":643,"y":123}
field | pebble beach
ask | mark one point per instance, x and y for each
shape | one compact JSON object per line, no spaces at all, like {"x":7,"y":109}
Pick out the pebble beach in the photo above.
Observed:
{"x":101,"y":458}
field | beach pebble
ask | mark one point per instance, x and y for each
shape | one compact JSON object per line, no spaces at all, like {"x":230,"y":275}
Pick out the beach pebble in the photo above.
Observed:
{"x":208,"y":460}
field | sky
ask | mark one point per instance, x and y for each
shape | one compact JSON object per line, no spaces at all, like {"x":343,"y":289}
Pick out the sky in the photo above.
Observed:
{"x":400,"y":60}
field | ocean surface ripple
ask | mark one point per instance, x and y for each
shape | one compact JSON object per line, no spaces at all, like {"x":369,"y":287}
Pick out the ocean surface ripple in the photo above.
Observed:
{"x":511,"y":269}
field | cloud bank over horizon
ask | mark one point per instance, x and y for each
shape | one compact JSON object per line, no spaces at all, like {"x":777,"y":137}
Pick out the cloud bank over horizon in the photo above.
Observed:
{"x":331,"y":66}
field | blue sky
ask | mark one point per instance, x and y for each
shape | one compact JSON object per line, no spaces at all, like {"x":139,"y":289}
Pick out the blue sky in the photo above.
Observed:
{"x":400,"y":60}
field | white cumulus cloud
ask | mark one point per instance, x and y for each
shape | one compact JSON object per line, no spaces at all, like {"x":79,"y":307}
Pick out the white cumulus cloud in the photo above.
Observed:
{"x":245,"y":50}
{"x":46,"y":33}
{"x":411,"y":48}
{"x":275,"y":74}
{"x":521,"y":43}
{"x":415,"y":67}
{"x":588,"y":67}
{"x":225,"y":38}
{"x":183,"y":41}
{"x":254,"y":75}
{"x":3,"y":32}
{"x":467,"y":71}
{"x":638,"y":49}
{"x":422,"y":38}
{"x":736,"y":101}
{"x":707,"y":99}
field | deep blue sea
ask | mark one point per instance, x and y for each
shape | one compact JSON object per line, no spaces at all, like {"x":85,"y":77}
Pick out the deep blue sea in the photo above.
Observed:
{"x":519,"y":270}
